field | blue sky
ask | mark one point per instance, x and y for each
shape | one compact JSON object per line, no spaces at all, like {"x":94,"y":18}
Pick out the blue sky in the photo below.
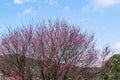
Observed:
{"x":101,"y":17}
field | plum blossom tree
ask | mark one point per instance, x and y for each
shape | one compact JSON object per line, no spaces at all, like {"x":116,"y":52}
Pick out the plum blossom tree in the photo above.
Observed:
{"x":52,"y":51}
{"x":14,"y":48}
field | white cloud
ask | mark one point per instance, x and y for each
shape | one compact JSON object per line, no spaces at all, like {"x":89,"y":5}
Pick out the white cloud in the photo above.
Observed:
{"x":18,"y":1}
{"x":99,"y":5}
{"x":23,"y":1}
{"x":105,"y":3}
{"x":117,"y":46}
{"x":28,"y":10}
{"x":51,"y":2}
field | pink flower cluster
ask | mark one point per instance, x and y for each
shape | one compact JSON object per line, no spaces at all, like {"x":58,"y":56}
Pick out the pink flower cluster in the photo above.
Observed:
{"x":13,"y":78}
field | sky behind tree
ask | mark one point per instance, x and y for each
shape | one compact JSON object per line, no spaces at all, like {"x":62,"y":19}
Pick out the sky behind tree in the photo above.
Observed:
{"x":101,"y":17}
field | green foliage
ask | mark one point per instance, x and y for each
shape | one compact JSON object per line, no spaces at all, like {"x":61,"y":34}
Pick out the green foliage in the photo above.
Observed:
{"x":111,"y":69}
